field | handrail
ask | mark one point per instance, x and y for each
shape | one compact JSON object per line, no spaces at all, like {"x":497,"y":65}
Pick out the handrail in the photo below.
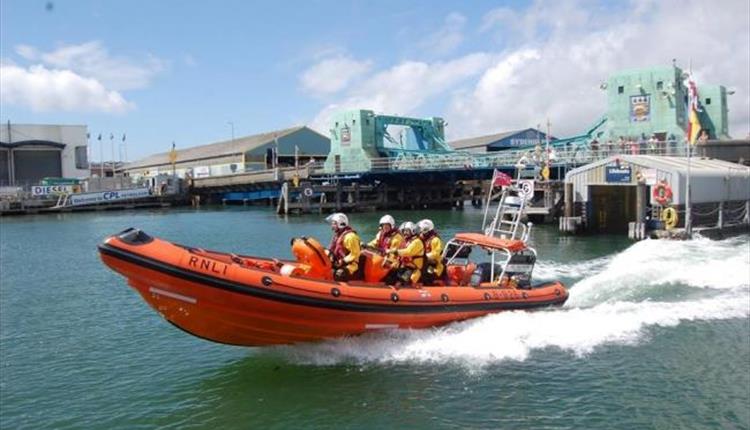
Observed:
{"x":406,"y":161}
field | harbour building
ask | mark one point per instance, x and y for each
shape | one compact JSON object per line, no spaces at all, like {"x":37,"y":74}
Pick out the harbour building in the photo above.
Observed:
{"x":30,"y":152}
{"x":262,"y":151}
{"x":611,"y":193}
{"x":647,"y":102}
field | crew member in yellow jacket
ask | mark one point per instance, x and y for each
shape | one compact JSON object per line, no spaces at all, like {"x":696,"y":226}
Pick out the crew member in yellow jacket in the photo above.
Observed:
{"x":410,"y":254}
{"x":388,"y":237}
{"x":345,"y":248}
{"x":433,"y":251}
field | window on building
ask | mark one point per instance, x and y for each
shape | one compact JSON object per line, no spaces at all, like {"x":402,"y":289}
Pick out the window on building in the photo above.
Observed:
{"x":82,"y":161}
{"x":620,"y":89}
{"x":708,"y":101}
{"x":660,"y":85}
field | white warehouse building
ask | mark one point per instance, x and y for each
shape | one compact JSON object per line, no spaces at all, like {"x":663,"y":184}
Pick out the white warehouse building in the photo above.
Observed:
{"x":30,"y":152}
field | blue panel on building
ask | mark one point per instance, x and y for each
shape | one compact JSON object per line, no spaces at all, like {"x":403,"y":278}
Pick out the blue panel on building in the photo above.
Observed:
{"x":525,"y":138}
{"x":618,"y":174}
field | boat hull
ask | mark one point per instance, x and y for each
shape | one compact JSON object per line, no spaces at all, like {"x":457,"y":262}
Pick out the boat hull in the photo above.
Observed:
{"x":213,"y":298}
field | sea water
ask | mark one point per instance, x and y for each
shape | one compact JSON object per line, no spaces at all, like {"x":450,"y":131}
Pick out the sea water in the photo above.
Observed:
{"x":656,"y":334}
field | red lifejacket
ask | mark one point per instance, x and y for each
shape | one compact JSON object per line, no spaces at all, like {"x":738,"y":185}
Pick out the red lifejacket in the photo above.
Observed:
{"x":427,"y":240}
{"x":337,"y":249}
{"x":385,"y":239}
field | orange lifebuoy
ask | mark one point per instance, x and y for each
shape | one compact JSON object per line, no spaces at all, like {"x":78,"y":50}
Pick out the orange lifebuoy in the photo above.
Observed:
{"x":662,"y":193}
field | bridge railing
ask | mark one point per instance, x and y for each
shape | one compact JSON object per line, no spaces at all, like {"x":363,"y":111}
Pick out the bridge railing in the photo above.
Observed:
{"x":563,"y":156}
{"x":557,"y":157}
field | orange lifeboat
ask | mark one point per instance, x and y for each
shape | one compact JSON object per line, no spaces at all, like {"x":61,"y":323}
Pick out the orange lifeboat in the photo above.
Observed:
{"x":255,"y":301}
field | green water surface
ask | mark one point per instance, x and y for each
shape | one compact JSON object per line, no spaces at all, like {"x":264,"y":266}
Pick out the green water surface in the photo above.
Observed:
{"x":79,"y":348}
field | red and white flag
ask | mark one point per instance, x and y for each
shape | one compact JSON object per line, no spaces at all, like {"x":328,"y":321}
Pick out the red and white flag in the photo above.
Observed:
{"x":500,"y":179}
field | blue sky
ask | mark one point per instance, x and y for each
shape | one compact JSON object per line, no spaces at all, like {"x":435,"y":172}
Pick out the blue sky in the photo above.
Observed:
{"x":164,"y":71}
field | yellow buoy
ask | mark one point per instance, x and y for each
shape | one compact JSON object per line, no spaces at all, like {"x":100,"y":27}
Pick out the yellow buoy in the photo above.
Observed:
{"x":670,"y":218}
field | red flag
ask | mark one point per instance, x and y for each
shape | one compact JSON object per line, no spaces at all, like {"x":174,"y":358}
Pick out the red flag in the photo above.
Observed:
{"x":500,"y":179}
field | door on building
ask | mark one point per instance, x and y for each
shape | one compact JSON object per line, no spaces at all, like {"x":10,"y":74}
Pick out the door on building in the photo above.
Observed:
{"x":31,"y":166}
{"x":4,"y":170}
{"x":269,"y":158}
{"x":612,"y":208}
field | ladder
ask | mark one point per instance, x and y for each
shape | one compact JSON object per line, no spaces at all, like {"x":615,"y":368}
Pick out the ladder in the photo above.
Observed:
{"x":506,"y":214}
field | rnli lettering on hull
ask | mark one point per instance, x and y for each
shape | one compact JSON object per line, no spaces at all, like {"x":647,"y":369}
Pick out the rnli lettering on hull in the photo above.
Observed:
{"x":208,"y":266}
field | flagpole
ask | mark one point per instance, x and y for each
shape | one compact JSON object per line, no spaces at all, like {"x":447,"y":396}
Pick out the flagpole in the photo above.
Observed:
{"x":691,"y":101}
{"x":489,"y":197}
{"x":101,"y":157}
{"x":112,"y":145}
{"x":547,"y":141}
{"x":688,"y":217}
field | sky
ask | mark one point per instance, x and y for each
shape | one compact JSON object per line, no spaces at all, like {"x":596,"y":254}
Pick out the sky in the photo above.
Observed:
{"x":193,"y":72}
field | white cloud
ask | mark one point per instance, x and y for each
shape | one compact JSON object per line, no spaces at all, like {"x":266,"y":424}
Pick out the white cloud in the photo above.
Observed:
{"x":560,"y":53}
{"x":403,"y":88}
{"x":93,"y":60}
{"x":448,"y":37}
{"x":43,"y":89}
{"x":332,"y":75}
{"x":577,"y":47}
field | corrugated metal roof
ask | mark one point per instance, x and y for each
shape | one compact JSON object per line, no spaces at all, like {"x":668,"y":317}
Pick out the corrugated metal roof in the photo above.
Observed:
{"x":672,"y":164}
{"x":482,"y":141}
{"x":215,"y":150}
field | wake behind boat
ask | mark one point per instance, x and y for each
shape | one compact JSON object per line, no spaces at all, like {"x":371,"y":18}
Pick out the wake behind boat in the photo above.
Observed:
{"x":256,"y":301}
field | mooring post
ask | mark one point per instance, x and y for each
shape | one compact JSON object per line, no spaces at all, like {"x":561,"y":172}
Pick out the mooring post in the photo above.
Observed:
{"x":720,"y":220}
{"x":568,"y":199}
{"x":641,"y":195}
{"x":338,"y":196}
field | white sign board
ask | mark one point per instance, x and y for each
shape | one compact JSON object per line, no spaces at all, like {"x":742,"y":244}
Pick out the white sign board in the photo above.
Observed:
{"x":107,"y":196}
{"x":201,"y":172}
{"x":45,"y":190}
{"x":527,"y":188}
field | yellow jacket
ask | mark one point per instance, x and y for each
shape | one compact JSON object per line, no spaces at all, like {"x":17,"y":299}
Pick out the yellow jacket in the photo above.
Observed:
{"x":393,"y":244}
{"x":435,"y":254}
{"x":412,"y":255}
{"x":351,"y":243}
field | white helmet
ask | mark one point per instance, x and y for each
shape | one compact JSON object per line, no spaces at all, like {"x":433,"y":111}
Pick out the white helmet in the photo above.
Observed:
{"x":387,"y":219}
{"x":340,"y":219}
{"x":408,"y":227}
{"x":425,"y":225}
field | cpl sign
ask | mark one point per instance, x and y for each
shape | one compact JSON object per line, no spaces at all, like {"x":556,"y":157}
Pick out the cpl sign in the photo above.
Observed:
{"x":108,"y":196}
{"x":526,"y":187}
